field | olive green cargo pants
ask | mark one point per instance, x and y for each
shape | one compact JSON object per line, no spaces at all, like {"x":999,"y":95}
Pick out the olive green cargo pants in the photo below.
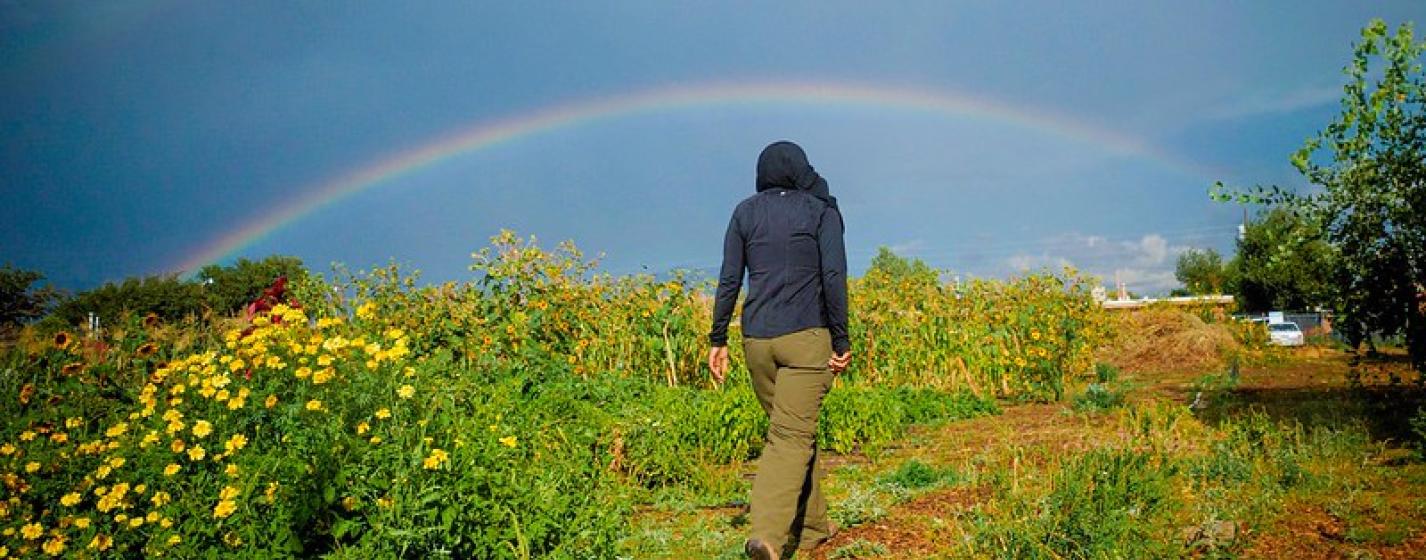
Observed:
{"x":790,"y":377}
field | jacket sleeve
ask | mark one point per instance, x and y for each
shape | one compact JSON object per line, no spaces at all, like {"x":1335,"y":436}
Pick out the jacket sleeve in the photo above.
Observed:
{"x":834,"y":278}
{"x":730,"y":282}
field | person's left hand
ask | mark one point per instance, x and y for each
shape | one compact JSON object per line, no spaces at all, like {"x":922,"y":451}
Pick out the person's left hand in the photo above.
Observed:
{"x":718,"y":362}
{"x":838,"y":364}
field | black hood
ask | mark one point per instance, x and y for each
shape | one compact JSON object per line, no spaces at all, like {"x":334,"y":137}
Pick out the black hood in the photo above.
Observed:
{"x":783,"y":165}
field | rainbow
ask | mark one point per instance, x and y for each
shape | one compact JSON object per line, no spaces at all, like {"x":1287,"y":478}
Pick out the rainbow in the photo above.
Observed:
{"x":488,"y":134}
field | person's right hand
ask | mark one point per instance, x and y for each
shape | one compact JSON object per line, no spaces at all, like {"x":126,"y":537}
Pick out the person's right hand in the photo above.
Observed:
{"x":838,"y":364}
{"x":718,"y":362}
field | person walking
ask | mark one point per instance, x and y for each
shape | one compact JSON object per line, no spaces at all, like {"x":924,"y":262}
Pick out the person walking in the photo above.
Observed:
{"x":788,"y":238}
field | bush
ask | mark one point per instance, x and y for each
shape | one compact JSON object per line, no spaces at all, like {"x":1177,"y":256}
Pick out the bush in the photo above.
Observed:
{"x":915,"y":475}
{"x":868,"y":418}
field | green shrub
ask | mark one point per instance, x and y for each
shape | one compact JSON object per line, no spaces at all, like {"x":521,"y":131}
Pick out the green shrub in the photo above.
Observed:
{"x":1098,"y":397}
{"x":915,"y":475}
{"x":1106,"y":373}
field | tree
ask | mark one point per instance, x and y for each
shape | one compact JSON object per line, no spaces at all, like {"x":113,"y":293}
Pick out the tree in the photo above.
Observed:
{"x":229,"y":288}
{"x":1202,"y":272}
{"x":20,"y":300}
{"x":1283,"y":263}
{"x":898,"y":267}
{"x":1370,"y":167}
{"x":168,"y":297}
{"x":217,"y":288}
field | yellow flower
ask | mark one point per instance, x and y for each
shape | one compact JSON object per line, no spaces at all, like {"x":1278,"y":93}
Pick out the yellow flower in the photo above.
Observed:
{"x":435,"y":459}
{"x":27,"y":435}
{"x":406,"y":391}
{"x":70,"y":499}
{"x":177,"y":446}
{"x":314,"y":404}
{"x":228,"y":493}
{"x":171,"y":469}
{"x":231,"y":470}
{"x":303,"y":372}
{"x":136,"y":522}
{"x":238,"y":441}
{"x":174,"y":540}
{"x":197,"y":453}
{"x":32,"y":466}
{"x":54,"y":546}
{"x":32,"y":531}
{"x":224,"y":509}
{"x":349,"y":503}
{"x":101,"y":542}
{"x":270,"y":402}
{"x":509,"y":441}
{"x":160,"y":498}
{"x":7,"y":449}
{"x":103,"y":472}
{"x":362,"y":427}
{"x":383,"y":414}
{"x":81,"y":522}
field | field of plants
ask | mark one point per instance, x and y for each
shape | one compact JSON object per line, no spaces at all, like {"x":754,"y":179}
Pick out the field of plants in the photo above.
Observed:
{"x":534,"y":411}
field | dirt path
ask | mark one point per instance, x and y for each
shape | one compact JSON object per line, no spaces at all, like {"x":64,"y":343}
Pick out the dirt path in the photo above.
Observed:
{"x":1026,"y":436}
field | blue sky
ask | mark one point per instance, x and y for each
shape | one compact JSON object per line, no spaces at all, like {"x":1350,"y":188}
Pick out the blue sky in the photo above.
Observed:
{"x":133,"y":134}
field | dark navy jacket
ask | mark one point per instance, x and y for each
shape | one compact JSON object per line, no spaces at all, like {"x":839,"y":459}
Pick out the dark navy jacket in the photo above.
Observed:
{"x":788,"y":238}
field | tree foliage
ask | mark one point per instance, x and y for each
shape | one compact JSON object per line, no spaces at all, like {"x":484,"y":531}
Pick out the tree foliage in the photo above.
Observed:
{"x":167,"y":296}
{"x":1202,"y":272}
{"x":21,"y":300}
{"x":1283,"y":263}
{"x":898,"y":267}
{"x":1370,"y":166}
{"x":229,"y":288}
{"x":220,"y":289}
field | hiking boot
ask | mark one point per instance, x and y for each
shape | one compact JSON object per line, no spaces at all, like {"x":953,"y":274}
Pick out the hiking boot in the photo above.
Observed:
{"x":757,"y":549}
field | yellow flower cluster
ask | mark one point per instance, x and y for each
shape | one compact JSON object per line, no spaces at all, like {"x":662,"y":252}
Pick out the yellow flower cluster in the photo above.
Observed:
{"x":437,"y":458}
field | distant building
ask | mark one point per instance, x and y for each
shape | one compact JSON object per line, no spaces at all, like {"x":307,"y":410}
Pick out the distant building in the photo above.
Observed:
{"x":1222,"y":301}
